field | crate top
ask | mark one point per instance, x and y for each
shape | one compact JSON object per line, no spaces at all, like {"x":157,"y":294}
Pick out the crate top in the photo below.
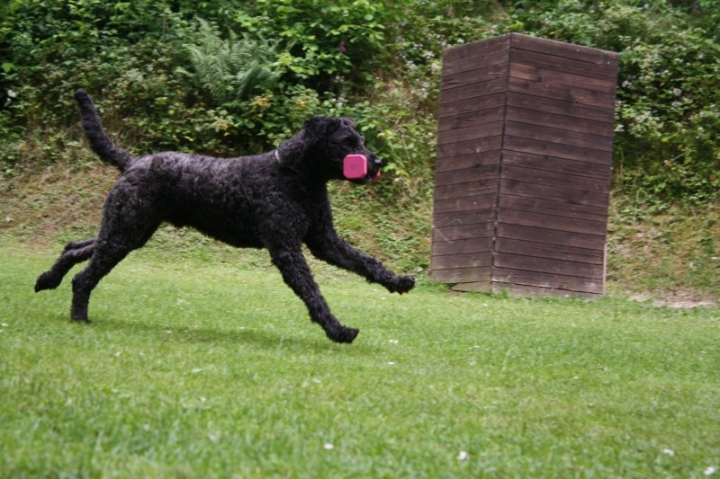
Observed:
{"x":535,"y":44}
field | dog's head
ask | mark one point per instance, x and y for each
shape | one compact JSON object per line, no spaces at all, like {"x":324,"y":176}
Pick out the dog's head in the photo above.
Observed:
{"x":341,"y":149}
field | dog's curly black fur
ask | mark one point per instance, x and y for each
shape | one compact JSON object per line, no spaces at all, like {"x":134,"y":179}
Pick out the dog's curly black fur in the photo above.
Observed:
{"x":276,"y":200}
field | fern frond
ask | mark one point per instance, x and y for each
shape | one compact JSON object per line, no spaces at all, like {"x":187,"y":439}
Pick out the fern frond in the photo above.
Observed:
{"x":232,"y":68}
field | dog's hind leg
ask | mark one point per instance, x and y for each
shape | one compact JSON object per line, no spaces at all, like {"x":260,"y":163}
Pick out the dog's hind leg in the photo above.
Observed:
{"x":106,"y":256}
{"x":73,"y":254}
{"x":296,"y":274}
{"x":79,"y":244}
{"x":118,"y":237}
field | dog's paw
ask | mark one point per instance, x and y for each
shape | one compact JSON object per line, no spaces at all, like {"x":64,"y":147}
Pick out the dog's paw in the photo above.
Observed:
{"x":401,"y":284}
{"x":343,"y":334}
{"x":47,"y":281}
{"x":79,"y":314}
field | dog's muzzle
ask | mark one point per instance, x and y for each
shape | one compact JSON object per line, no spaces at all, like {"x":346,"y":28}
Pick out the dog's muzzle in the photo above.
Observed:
{"x":355,"y":167}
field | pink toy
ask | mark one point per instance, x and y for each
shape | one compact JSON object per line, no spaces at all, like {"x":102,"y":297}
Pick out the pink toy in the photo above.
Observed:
{"x":355,"y":167}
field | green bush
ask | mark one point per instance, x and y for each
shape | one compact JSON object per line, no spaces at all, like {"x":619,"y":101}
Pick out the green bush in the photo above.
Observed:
{"x":668,"y":119}
{"x":667,"y":140}
{"x":325,"y":42}
{"x":164,"y":81}
{"x":230,"y":69}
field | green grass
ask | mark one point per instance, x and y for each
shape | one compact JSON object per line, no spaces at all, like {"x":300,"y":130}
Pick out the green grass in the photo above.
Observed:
{"x":197,"y":368}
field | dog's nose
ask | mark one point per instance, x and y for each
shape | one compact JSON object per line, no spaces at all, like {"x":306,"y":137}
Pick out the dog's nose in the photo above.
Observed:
{"x":377,"y":162}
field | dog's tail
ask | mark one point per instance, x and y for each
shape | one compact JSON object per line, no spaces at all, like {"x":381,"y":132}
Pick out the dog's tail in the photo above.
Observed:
{"x":99,"y":141}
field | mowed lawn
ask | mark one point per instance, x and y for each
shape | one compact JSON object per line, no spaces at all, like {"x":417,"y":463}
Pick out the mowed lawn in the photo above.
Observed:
{"x":211,"y":368}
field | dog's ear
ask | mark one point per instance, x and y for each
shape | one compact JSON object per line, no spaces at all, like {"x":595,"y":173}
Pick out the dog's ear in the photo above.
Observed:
{"x":319,"y":127}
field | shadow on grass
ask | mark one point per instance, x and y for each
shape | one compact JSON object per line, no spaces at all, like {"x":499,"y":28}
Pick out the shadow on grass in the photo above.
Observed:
{"x":272,"y":338}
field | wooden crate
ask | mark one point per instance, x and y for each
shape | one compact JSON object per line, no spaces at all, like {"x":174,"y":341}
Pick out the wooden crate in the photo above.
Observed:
{"x":524,"y":159}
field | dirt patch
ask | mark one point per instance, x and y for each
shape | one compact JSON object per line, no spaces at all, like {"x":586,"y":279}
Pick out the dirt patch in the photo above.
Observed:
{"x":38,"y":206}
{"x":677,"y":299}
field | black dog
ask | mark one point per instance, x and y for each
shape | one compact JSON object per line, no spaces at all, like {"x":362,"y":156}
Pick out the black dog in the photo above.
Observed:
{"x":276,"y":200}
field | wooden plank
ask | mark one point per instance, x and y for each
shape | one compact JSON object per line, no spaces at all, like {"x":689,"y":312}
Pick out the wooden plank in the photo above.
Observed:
{"x":557,"y":150}
{"x":474,"y":160}
{"x":461,"y":261}
{"x":539,"y":74}
{"x":461,"y":275}
{"x":549,"y":251}
{"x":485,"y":102}
{"x":472,"y":118}
{"x":474,"y":70}
{"x":569,"y":95}
{"x":550,"y":178}
{"x":524,"y":290}
{"x":561,"y":122}
{"x":484,"y":214}
{"x":557,"y":135}
{"x":561,"y":223}
{"x":514,"y":278}
{"x":472,"y":189}
{"x":518,"y":262}
{"x":473,"y":91}
{"x":536,"y":103}
{"x":553,"y":193}
{"x":483,"y":200}
{"x":476,"y":287}
{"x":475,"y":245}
{"x":483,"y":192}
{"x":552,"y":61}
{"x":464,"y":231}
{"x":558,"y":165}
{"x":550,"y":236}
{"x":488,"y":130}
{"x":541,"y":205}
{"x":471,"y":147}
{"x":605,"y":59}
{"x":466,"y":175}
{"x":477,"y":60}
{"x":462,"y":54}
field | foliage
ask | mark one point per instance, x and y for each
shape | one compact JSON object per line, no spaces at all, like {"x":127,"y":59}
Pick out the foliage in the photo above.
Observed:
{"x":668,"y":122}
{"x":378,"y":62}
{"x":669,"y":118}
{"x":426,"y":29}
{"x":233,"y":68}
{"x":325,"y":41}
{"x":58,"y":46}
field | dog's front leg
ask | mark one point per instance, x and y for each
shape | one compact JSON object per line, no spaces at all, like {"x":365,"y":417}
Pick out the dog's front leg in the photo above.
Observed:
{"x":296,"y":274}
{"x":331,"y":248}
